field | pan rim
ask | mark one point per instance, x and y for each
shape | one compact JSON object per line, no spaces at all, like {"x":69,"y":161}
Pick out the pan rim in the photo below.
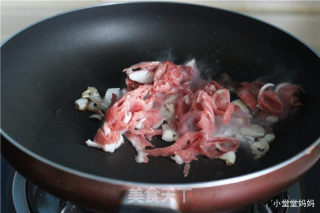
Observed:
{"x":203,"y":184}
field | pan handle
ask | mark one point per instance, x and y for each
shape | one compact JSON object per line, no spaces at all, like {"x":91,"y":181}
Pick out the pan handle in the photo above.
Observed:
{"x":136,"y":203}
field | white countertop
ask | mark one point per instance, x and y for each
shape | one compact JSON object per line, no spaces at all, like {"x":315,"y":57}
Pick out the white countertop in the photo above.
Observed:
{"x":301,"y":18}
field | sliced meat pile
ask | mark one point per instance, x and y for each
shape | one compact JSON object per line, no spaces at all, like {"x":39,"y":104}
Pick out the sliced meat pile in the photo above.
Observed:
{"x":162,"y":100}
{"x":195,"y":115}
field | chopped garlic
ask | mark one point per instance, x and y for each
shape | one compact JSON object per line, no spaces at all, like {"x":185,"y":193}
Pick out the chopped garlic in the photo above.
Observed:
{"x":107,"y":147}
{"x":261,"y":145}
{"x":169,"y":135}
{"x":229,"y":157}
{"x":92,"y":94}
{"x":259,"y":148}
{"x":177,"y":159}
{"x":109,"y":92}
{"x":104,"y":105}
{"x":191,"y":63}
{"x":141,"y":157}
{"x":142,"y":76}
{"x":92,"y":101}
{"x":96,"y":116}
{"x":107,"y":99}
{"x":81,"y":104}
{"x":93,"y":108}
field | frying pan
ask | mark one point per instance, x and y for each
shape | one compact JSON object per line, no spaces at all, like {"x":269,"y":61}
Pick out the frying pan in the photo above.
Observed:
{"x":47,"y":66}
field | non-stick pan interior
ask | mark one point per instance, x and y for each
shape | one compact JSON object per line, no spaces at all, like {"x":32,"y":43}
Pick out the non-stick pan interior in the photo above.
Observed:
{"x":46,"y":67}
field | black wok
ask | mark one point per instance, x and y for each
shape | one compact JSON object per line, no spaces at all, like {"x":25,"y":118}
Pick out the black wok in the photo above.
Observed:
{"x":46,"y":67}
